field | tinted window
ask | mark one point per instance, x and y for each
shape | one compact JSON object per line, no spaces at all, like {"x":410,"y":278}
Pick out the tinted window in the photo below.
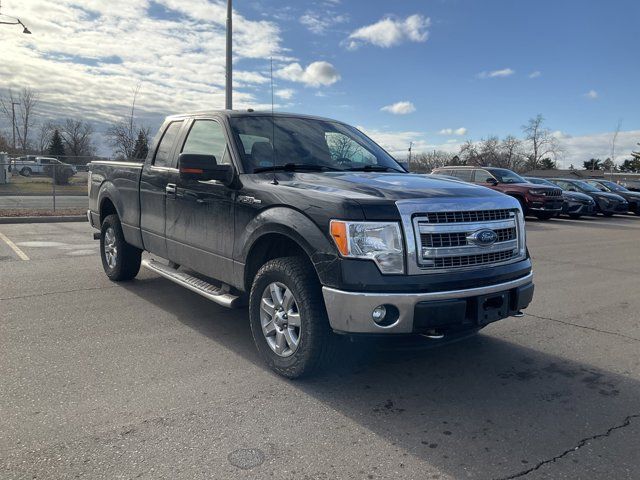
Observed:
{"x":345,"y":150}
{"x":463,"y":174}
{"x":206,"y":137}
{"x":163,"y":153}
{"x":563,"y":185}
{"x":507,"y":176}
{"x":482,"y":176}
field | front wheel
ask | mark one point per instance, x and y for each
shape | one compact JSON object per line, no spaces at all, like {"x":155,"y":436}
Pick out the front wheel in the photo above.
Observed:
{"x":575,"y":216}
{"x":120,"y":260}
{"x":544,"y":216}
{"x":25,"y":172}
{"x":607,"y":214}
{"x":288,"y":317}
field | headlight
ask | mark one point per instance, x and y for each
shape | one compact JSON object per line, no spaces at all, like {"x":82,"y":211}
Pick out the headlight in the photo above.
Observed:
{"x":537,"y":191}
{"x":377,"y":241}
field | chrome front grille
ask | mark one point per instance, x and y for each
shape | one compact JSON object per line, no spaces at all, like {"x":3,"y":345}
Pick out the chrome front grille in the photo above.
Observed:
{"x":448,"y":240}
{"x":472,"y":216}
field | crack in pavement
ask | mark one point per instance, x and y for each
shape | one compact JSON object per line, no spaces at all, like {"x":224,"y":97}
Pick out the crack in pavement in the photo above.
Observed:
{"x":61,"y":291}
{"x":581,"y":443}
{"x":584,"y":327}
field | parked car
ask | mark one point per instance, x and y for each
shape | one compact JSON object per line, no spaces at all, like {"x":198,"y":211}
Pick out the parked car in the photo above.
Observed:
{"x":540,"y":201}
{"x":632,"y":198}
{"x":322,"y":232}
{"x":575,"y":204}
{"x":606,"y":203}
{"x":26,"y":166}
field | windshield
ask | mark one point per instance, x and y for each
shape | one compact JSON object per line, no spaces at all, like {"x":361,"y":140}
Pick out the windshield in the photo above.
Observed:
{"x":613,"y":186}
{"x":584,"y":186}
{"x":539,"y":181}
{"x":306,"y":142}
{"x":506,"y":176}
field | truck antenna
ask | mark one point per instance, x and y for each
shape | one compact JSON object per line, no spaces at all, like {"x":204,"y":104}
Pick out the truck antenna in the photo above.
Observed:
{"x":273,"y":130}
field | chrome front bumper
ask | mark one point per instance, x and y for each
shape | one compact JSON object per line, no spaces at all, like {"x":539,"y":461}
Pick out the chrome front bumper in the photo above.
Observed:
{"x":351,"y":312}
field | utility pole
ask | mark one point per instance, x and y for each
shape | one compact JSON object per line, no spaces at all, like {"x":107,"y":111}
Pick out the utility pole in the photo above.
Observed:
{"x":228,"y":104}
{"x":409,"y":158}
{"x":13,"y":122}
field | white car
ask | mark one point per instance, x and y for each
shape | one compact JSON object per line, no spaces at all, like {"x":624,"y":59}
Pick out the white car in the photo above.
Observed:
{"x":29,"y":165}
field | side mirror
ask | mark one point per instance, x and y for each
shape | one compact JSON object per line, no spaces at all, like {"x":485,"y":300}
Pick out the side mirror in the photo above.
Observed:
{"x":203,"y":167}
{"x":492,"y":181}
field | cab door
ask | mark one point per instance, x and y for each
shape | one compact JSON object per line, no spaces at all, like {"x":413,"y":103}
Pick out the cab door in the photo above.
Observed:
{"x":157,"y":184}
{"x":200,"y":226}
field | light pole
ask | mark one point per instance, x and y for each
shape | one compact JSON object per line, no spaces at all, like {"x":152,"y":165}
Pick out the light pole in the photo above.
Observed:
{"x":16,"y":21}
{"x":13,"y":122}
{"x":228,"y":103}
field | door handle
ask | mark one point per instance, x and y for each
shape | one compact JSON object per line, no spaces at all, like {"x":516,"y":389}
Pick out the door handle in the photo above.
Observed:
{"x":170,"y":189}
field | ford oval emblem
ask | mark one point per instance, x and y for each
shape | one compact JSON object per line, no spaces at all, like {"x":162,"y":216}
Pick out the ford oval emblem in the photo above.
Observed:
{"x":483,"y":238}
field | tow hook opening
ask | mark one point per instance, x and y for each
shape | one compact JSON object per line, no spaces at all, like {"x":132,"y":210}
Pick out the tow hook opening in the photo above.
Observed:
{"x":493,"y":303}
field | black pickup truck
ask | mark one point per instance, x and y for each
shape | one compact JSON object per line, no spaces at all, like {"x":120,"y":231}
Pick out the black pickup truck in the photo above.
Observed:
{"x":315,"y":227}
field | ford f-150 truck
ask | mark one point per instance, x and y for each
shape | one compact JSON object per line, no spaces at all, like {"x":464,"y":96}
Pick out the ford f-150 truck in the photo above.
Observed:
{"x":315,"y":227}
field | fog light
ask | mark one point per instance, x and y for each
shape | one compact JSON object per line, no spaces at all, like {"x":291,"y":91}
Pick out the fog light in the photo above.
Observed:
{"x":379,"y":313}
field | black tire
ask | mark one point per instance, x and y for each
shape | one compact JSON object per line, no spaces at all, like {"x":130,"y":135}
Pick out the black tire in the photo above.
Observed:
{"x":127,"y":257}
{"x":25,"y":172}
{"x":523,"y":205}
{"x":544,"y":216}
{"x":575,"y":216}
{"x":607,"y":214}
{"x":317,"y":342}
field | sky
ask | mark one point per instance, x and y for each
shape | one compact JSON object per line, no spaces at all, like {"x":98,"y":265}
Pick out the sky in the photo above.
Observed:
{"x":435,"y":73}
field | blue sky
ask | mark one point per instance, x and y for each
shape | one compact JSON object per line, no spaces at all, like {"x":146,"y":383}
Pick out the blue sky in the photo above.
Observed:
{"x":433,"y":72}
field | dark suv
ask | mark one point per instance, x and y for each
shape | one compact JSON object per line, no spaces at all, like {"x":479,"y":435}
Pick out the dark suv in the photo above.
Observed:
{"x":541,"y":201}
{"x":575,"y":204}
{"x":606,"y":203}
{"x":633,"y":198}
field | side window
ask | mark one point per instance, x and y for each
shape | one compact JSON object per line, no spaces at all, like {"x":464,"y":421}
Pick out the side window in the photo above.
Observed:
{"x":344,"y":150}
{"x":464,"y":174}
{"x":163,"y":153}
{"x":206,"y":137}
{"x":563,"y":185}
{"x":481,"y":176}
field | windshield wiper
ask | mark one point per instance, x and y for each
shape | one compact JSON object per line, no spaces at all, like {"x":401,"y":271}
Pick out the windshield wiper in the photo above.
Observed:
{"x":372,"y":168}
{"x":295,"y":167}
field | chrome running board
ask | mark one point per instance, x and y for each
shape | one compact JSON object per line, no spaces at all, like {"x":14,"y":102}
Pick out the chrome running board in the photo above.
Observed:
{"x":216,"y":294}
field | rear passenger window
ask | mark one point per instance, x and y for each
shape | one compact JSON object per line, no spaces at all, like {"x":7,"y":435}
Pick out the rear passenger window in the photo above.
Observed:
{"x":464,"y":174}
{"x":163,"y":153}
{"x":207,"y":138}
{"x":482,"y":176}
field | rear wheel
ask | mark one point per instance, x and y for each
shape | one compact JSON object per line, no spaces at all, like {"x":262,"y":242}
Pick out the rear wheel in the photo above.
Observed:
{"x":120,"y":260}
{"x":25,"y":172}
{"x":288,"y":318}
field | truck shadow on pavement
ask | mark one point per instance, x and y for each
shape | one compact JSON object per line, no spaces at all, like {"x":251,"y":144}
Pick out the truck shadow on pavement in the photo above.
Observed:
{"x":483,"y":407}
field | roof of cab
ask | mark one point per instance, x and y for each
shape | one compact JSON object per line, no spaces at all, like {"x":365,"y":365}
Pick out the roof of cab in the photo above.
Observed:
{"x":246,"y":113}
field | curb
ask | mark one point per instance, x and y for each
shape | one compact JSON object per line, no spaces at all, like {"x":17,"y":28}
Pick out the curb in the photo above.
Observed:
{"x":43,"y":219}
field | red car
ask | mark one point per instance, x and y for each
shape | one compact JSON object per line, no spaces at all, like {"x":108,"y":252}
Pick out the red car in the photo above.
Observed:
{"x":538,"y":200}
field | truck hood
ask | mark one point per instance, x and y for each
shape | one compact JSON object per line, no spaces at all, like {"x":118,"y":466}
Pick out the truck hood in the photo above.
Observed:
{"x":372,"y":186}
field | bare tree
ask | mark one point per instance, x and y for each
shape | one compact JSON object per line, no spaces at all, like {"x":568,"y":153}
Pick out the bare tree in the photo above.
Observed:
{"x":512,"y":156}
{"x":123,"y":134}
{"x":77,"y":138}
{"x":44,"y":136}
{"x":427,"y":162}
{"x":542,"y":142}
{"x":26,"y":102}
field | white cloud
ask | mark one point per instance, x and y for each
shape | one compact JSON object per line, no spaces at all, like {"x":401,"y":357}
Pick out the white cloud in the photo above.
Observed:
{"x":390,"y":32}
{"x":450,"y":131}
{"x":577,"y":149}
{"x":505,"y":72}
{"x":317,"y":74}
{"x":319,"y":23}
{"x":591,"y":94}
{"x":400,"y":108}
{"x":285,"y":93}
{"x":535,"y":74}
{"x":84,"y":57}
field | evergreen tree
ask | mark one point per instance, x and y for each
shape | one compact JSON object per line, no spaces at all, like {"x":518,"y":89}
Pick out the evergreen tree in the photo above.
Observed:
{"x":548,"y":164}
{"x":593,"y":164}
{"x":56,"y":147}
{"x":141,"y":148}
{"x":636,"y":155}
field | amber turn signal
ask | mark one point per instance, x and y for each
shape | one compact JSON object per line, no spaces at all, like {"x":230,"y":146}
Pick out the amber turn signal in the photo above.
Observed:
{"x":339,"y":233}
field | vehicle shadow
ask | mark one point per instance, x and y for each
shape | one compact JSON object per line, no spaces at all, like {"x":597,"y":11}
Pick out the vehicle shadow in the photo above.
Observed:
{"x":480,"y":408}
{"x":619,"y":222}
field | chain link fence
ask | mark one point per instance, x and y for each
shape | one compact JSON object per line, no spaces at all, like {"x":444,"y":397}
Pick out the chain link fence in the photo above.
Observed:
{"x":34,"y":185}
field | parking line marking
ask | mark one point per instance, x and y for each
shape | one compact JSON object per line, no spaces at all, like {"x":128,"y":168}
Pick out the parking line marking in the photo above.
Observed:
{"x":14,"y":247}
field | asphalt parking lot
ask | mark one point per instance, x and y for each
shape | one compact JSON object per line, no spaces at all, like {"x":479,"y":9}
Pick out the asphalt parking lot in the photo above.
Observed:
{"x":149,"y":380}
